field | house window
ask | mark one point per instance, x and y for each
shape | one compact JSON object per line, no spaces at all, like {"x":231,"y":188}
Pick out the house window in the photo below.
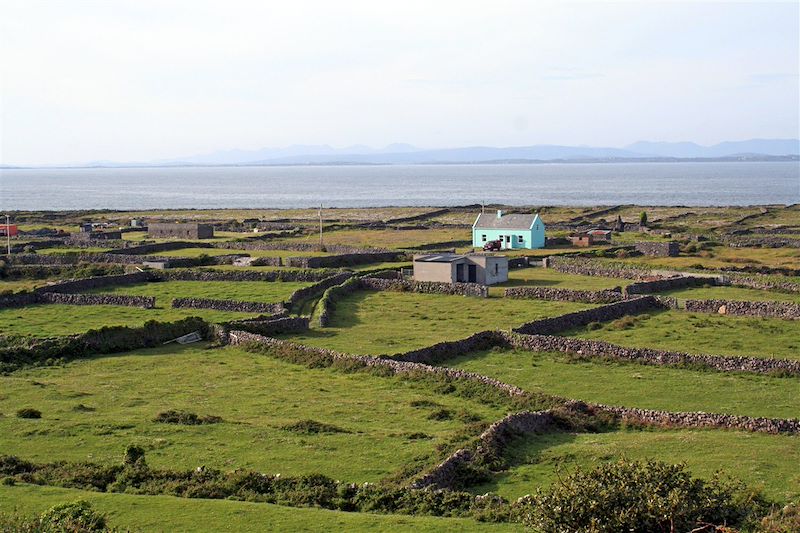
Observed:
{"x":508,"y":238}
{"x":520,"y":238}
{"x":483,"y":237}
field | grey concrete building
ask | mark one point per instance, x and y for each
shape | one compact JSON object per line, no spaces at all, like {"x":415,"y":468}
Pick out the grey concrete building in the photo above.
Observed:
{"x":454,"y":268}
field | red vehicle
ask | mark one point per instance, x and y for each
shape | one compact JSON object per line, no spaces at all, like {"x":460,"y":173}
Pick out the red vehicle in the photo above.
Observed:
{"x":492,"y":246}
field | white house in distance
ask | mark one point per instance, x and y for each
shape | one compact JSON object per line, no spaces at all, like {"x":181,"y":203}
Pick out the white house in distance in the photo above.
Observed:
{"x":514,"y":231}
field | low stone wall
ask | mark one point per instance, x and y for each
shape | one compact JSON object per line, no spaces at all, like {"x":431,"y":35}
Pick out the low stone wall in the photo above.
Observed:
{"x":151,"y":248}
{"x":269,"y":326}
{"x":667,"y":284}
{"x":565,"y":295}
{"x":254,"y":244}
{"x":762,"y":242}
{"x":87,"y":284}
{"x":145,"y":302}
{"x":492,"y":442}
{"x":703,"y":420}
{"x":426,"y":287}
{"x":20,"y":299}
{"x":589,"y":267}
{"x":56,"y":350}
{"x":760,"y":282}
{"x":73,"y":259}
{"x":228,"y":305}
{"x":442,"y":351}
{"x":331,"y":297}
{"x":266,"y":261}
{"x":300,"y":295}
{"x":767,"y":309}
{"x":550,"y":326}
{"x":398,"y":367}
{"x":243,"y":275}
{"x":342,"y":260}
{"x":648,"y":356}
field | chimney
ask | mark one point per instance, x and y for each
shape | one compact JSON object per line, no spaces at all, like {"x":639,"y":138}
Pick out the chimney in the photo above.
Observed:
{"x":499,"y":213}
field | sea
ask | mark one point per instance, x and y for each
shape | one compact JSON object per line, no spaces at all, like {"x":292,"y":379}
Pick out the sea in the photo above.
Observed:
{"x":681,"y":184}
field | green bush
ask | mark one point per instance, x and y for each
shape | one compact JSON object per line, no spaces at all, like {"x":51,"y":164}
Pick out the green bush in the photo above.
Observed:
{"x":183,"y":417}
{"x":29,"y":412}
{"x":312,"y":427}
{"x":641,"y":497}
{"x":73,"y":517}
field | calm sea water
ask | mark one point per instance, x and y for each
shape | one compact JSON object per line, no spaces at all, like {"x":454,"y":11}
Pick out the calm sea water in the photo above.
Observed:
{"x":690,"y":184}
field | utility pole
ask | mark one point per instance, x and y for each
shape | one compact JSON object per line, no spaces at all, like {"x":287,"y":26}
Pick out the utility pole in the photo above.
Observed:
{"x":320,"y":225}
{"x":8,"y":236}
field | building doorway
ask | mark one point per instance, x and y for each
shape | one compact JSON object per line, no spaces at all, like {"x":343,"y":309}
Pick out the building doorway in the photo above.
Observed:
{"x":460,"y":272}
{"x":472,"y":272}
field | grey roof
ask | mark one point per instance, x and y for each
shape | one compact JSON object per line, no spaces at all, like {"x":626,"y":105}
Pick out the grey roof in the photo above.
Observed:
{"x":438,"y":258}
{"x":513,"y":221}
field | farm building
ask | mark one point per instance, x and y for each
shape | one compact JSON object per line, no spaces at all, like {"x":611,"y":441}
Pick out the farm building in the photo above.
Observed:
{"x":96,"y":235}
{"x":455,"y":268}
{"x":8,"y":230}
{"x":590,"y":237}
{"x":180,"y":231}
{"x":514,"y":231}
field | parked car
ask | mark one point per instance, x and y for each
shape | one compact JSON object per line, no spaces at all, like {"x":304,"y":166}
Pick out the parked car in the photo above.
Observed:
{"x":492,"y":245}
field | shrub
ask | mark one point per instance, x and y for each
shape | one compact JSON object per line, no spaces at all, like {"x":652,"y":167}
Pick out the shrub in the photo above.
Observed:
{"x":440,"y":414}
{"x":312,"y":427}
{"x":785,"y":520}
{"x":640,"y":497}
{"x":73,"y":517}
{"x":28,"y":412}
{"x":591,"y":326}
{"x":134,"y":455}
{"x":183,"y":417}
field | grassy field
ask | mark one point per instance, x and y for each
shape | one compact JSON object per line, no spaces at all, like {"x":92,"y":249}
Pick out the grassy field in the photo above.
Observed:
{"x":248,"y":291}
{"x":725,"y":256}
{"x":633,"y":385}
{"x":547,"y":277}
{"x":166,"y":513}
{"x":704,"y":333}
{"x":388,"y":238}
{"x":196,"y":252}
{"x":732,"y":293}
{"x":21,"y":284}
{"x":768,"y":462}
{"x":255,"y":395}
{"x":54,"y":251}
{"x":373,"y":322}
{"x":47,"y":320}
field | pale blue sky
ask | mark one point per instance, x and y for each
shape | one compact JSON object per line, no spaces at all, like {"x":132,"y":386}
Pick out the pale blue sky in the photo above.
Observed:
{"x":142,"y":80}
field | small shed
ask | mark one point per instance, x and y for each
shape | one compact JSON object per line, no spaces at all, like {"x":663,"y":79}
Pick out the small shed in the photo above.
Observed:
{"x":8,"y":230}
{"x":180,"y":231}
{"x":514,"y":231}
{"x":454,"y":268}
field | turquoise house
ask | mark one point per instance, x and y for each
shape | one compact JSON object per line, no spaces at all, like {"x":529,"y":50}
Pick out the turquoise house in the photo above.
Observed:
{"x":517,"y":231}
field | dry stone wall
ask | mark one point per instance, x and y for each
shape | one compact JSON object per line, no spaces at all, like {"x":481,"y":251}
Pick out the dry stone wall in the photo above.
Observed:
{"x":146,"y":249}
{"x":342,"y":260}
{"x":228,"y":305}
{"x":565,"y":295}
{"x":331,"y":297}
{"x":442,"y":351}
{"x":769,"y":309}
{"x":649,"y":356}
{"x":589,"y":267}
{"x":550,"y":326}
{"x":300,"y":295}
{"x":427,"y":287}
{"x":269,"y":326}
{"x":145,"y":302}
{"x":87,"y":284}
{"x":667,"y":284}
{"x":658,"y":249}
{"x":244,"y":275}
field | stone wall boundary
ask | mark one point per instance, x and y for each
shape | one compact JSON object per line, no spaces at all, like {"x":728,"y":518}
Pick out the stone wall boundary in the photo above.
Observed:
{"x":320,"y":287}
{"x":144,"y":302}
{"x":667,"y":284}
{"x":425,"y":287}
{"x":761,"y":309}
{"x":565,"y":295}
{"x":228,"y":305}
{"x":96,"y":282}
{"x":243,"y":275}
{"x":342,"y":260}
{"x":604,"y":313}
{"x":151,"y":248}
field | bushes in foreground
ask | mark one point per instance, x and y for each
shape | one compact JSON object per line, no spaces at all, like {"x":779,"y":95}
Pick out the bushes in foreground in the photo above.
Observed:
{"x":623,"y":496}
{"x":75,"y":517}
{"x":642,"y":497}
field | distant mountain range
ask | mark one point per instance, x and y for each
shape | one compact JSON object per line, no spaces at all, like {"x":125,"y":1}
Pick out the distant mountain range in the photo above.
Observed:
{"x":395,"y":154}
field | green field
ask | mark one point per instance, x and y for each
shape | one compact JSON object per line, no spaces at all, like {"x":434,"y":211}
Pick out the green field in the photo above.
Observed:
{"x":768,"y":462}
{"x":732,"y":293}
{"x":255,"y":395}
{"x":167,"y":513}
{"x":634,"y":385}
{"x":47,"y":320}
{"x":547,"y":277}
{"x":704,"y":333}
{"x":247,"y":291}
{"x":196,"y":252}
{"x":379,"y":322}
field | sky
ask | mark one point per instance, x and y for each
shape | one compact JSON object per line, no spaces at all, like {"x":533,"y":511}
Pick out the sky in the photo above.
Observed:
{"x":144,"y":80}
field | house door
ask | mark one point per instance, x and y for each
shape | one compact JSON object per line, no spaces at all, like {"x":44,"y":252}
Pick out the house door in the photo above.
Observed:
{"x":472,"y":271}
{"x":460,"y":272}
